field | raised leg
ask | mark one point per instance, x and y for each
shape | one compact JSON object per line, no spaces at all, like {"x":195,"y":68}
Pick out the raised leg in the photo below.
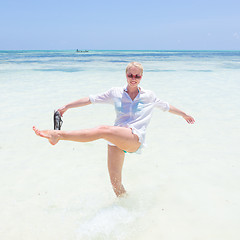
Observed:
{"x":122,"y":137}
{"x":115,"y":164}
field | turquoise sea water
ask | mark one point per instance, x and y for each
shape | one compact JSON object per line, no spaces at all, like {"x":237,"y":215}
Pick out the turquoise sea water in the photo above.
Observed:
{"x":184,"y":185}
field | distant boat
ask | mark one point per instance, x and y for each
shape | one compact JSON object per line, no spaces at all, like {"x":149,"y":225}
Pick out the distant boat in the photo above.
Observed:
{"x":81,"y":51}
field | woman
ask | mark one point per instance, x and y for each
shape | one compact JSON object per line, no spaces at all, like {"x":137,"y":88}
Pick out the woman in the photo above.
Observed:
{"x":133,"y":106}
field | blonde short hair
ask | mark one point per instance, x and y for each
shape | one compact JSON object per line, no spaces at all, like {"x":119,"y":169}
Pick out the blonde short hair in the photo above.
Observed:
{"x":135,"y":64}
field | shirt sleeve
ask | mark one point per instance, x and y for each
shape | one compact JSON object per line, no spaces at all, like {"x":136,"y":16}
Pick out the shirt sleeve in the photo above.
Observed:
{"x":106,"y":97}
{"x":164,"y":106}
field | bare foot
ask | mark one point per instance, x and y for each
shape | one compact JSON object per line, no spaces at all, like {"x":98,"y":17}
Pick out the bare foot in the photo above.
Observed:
{"x":52,"y":135}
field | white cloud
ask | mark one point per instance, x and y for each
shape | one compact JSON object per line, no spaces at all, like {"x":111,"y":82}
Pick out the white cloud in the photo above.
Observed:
{"x":236,"y":35}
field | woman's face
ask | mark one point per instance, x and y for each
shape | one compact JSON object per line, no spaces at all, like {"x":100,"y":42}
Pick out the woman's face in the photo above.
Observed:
{"x":134,"y":76}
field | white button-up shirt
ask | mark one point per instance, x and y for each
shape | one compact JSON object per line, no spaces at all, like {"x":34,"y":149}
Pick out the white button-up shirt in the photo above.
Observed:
{"x":134,"y":114}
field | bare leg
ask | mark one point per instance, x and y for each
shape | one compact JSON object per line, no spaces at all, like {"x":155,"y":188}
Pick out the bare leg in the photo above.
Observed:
{"x":122,"y":137}
{"x":115,"y":164}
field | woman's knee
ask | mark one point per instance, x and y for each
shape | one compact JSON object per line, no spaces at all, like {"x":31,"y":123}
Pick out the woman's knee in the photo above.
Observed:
{"x":103,"y":130}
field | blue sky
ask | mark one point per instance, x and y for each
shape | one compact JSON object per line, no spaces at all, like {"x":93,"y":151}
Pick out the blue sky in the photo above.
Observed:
{"x":123,"y":25}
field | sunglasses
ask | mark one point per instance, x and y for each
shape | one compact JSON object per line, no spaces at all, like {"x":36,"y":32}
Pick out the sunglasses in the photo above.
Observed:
{"x":134,"y":76}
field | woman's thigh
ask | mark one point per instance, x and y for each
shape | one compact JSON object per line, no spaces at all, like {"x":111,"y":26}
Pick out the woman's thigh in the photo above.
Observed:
{"x":122,"y":137}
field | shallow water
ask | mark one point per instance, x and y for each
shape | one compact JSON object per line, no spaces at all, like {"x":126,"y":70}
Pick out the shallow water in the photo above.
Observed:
{"x":184,"y":185}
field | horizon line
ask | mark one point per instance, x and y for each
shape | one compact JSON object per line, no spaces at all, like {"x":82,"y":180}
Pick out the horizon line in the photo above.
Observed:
{"x":120,"y":50}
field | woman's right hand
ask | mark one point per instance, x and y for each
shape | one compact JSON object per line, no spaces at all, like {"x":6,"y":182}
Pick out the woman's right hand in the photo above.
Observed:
{"x":62,"y":110}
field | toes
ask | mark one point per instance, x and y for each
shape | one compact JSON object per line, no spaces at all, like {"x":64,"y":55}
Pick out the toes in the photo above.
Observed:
{"x":37,"y":132}
{"x":40,"y":134}
{"x":35,"y":129}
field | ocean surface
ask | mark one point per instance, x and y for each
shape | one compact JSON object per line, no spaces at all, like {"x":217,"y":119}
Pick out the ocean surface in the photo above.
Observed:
{"x":184,"y":185}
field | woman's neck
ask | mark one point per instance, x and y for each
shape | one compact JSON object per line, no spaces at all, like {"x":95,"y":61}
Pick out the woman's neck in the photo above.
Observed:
{"x":132,"y":90}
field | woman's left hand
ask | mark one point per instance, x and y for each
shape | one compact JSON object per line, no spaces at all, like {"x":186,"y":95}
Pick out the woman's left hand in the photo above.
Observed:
{"x":189,"y":119}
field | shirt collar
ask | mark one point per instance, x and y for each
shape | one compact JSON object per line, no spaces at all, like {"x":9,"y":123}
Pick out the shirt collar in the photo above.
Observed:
{"x":141,"y":90}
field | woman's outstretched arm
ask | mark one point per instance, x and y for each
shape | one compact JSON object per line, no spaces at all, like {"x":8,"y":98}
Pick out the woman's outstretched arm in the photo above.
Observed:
{"x":176,"y":111}
{"x":79,"y":103}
